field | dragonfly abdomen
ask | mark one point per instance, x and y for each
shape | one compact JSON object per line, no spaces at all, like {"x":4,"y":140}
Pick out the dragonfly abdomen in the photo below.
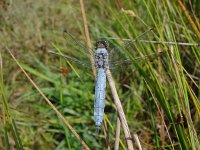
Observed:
{"x":100,"y":94}
{"x":101,"y":61}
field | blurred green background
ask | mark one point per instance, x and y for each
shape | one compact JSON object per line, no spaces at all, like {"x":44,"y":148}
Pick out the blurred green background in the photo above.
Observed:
{"x":160,"y":96}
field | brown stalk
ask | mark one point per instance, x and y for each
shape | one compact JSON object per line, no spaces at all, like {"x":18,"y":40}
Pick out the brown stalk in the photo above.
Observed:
{"x":50,"y":104}
{"x":112,"y":85}
{"x":195,"y":17}
{"x":106,"y":133}
{"x":137,"y":141}
{"x":120,"y":111}
{"x":119,"y":5}
{"x":195,"y":29}
{"x":87,"y":35}
{"x":117,"y":134}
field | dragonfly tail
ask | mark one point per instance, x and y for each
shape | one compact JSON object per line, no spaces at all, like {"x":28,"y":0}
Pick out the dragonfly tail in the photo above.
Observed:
{"x":97,"y":129}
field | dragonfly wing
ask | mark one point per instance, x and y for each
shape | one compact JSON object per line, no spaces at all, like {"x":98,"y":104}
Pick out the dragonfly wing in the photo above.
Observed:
{"x":127,"y":50}
{"x":70,"y":59}
{"x":74,"y":51}
{"x":80,"y":46}
{"x":150,"y":57}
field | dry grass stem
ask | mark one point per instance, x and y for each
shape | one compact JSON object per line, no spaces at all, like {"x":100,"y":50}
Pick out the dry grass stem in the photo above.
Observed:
{"x":106,"y":134}
{"x":137,"y":141}
{"x":117,"y":134}
{"x":120,"y":111}
{"x":189,"y":18}
{"x":87,"y":35}
{"x":51,"y":105}
{"x":194,"y":15}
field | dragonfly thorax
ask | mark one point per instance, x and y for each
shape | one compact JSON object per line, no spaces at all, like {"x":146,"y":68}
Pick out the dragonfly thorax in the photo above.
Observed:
{"x":101,"y":58}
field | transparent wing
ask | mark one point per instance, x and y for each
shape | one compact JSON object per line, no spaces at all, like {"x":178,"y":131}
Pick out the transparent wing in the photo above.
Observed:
{"x":73,"y":40}
{"x":137,"y":49}
{"x":128,"y":52}
{"x":74,"y":51}
{"x":77,"y":52}
{"x":150,"y":57}
{"x":82,"y":63}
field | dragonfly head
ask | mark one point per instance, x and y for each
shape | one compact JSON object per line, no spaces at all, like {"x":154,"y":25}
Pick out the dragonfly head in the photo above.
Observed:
{"x":102,"y":43}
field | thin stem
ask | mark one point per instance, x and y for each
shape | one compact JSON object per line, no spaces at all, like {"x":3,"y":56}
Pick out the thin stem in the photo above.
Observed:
{"x":159,"y":42}
{"x":119,"y":5}
{"x":105,"y":129}
{"x":87,"y":35}
{"x":120,"y":111}
{"x":186,"y":13}
{"x":194,"y":15}
{"x":117,"y":134}
{"x":137,"y":141}
{"x":50,"y":104}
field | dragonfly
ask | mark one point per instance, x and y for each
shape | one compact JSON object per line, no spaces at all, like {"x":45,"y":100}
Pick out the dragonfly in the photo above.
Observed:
{"x":103,"y":61}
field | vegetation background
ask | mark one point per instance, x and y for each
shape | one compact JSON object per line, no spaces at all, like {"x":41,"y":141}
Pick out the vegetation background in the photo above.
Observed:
{"x":160,"y":96}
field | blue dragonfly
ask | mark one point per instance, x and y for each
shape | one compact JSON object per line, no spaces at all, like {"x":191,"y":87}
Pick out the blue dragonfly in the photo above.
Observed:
{"x":103,"y":60}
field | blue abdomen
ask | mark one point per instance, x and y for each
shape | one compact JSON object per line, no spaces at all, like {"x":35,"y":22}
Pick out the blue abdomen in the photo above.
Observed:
{"x":100,"y":94}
